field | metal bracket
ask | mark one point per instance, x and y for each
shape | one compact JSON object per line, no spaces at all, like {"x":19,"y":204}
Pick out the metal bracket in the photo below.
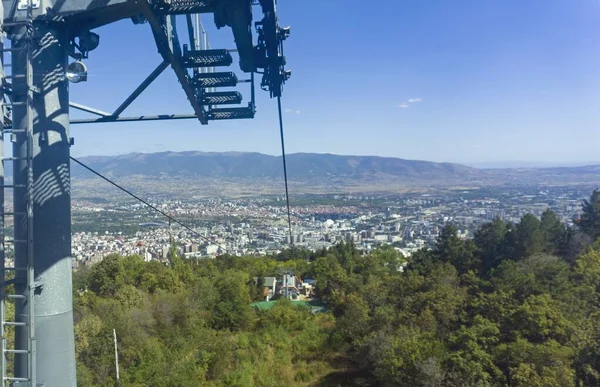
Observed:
{"x":164,"y":41}
{"x":116,"y":115}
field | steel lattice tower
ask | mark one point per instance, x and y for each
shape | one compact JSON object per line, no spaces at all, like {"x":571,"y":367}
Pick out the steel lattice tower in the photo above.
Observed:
{"x":34,"y":97}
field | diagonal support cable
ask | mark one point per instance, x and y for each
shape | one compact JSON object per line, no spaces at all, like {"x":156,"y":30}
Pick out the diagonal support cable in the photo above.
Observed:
{"x":143,"y":201}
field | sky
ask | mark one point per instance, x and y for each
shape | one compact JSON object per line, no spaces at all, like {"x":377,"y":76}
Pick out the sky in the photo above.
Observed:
{"x":480,"y":82}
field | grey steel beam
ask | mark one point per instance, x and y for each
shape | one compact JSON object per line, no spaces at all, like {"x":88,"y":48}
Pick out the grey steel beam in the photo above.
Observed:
{"x":51,"y":231}
{"x":88,"y":109}
{"x":159,"y":117}
{"x":163,"y":43}
{"x":190,"y":28}
{"x":240,"y":12}
{"x":136,"y":93}
{"x":83,"y":15}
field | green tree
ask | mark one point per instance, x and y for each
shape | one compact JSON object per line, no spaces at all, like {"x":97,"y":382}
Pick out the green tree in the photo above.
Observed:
{"x":526,"y":364}
{"x":407,"y":357}
{"x":554,"y":233}
{"x":471,"y":357}
{"x":233,"y":310}
{"x":576,"y":243}
{"x":590,"y":218}
{"x":258,"y":288}
{"x":354,"y":323}
{"x":510,"y":276}
{"x":540,"y":319}
{"x":449,"y":248}
{"x":107,"y":276}
{"x":422,"y":261}
{"x":346,"y":254}
{"x":529,"y":238}
{"x":382,"y":259}
{"x":489,"y":241}
{"x":587,"y":362}
{"x":331,"y":277}
{"x":587,"y":270}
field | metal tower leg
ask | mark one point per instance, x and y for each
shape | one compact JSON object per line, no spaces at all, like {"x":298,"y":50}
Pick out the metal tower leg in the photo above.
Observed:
{"x":47,"y":202}
{"x":3,"y":362}
{"x":23,"y":275}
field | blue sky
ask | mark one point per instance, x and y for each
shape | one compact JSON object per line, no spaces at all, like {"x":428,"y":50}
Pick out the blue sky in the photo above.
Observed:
{"x":470,"y":81}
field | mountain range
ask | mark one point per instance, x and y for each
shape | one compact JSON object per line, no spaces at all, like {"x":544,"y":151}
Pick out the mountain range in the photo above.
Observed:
{"x":317,"y":172}
{"x":301,"y":166}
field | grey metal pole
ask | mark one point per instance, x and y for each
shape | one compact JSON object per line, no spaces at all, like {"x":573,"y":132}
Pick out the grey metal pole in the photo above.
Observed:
{"x":3,"y":362}
{"x":116,"y":356}
{"x":51,"y":200}
{"x":199,"y":40}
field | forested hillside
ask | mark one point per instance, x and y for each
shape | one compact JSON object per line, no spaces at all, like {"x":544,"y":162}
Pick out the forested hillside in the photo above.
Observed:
{"x":519,"y":305}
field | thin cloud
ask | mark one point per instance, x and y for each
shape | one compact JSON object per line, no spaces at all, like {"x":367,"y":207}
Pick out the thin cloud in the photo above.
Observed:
{"x":406,"y":104}
{"x":291,"y":111}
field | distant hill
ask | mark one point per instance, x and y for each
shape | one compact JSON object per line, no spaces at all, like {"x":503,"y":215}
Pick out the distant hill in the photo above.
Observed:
{"x":247,"y":174}
{"x":301,"y":166}
{"x":586,"y":169}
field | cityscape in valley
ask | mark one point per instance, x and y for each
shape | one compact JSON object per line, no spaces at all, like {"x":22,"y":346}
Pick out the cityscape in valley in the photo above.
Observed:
{"x":245,"y":217}
{"x":237,"y":222}
{"x":257,"y":225}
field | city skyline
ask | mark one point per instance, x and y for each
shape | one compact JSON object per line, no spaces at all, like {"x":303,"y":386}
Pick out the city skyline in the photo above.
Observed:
{"x":254,"y":225}
{"x":467,"y":82}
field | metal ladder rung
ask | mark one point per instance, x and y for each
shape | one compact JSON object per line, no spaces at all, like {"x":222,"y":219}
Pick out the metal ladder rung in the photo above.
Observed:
{"x":14,"y":379}
{"x":12,"y":213}
{"x":14,"y":49}
{"x":15,"y":324}
{"x":15,"y":241}
{"x":14,"y":186}
{"x":14,"y":158}
{"x":16,"y":297}
{"x":13,"y":269}
{"x":17,"y":351}
{"x":9,"y":282}
{"x":19,"y":23}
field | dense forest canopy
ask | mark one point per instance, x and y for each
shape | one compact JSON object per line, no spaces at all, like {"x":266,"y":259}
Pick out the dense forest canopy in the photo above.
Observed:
{"x":518,"y":305}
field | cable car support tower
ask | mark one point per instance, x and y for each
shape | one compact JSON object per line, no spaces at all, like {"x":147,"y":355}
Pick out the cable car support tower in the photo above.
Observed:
{"x":41,"y":35}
